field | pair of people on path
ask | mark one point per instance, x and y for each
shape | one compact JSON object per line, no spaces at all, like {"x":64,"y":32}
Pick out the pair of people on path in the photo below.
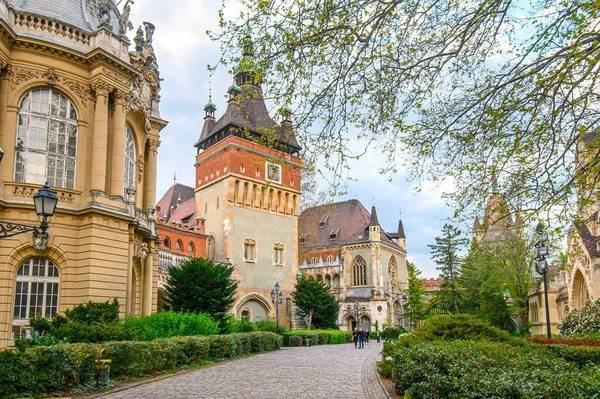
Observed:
{"x":360,"y":336}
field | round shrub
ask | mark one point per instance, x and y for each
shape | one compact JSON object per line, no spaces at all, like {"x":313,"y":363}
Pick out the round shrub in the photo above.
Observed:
{"x":582,"y":322}
{"x":390,"y":333}
{"x":295,"y":340}
{"x":460,"y":326}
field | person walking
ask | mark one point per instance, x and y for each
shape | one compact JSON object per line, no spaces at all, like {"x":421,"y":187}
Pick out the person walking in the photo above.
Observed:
{"x":361,"y":339}
{"x":355,"y":337}
{"x":368,"y":335}
{"x":378,"y":337}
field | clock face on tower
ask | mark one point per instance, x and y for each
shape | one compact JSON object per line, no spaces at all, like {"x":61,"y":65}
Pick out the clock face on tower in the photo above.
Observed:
{"x":273,"y":172}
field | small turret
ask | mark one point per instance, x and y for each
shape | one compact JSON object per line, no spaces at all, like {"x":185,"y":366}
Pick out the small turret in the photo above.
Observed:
{"x":374,"y":227}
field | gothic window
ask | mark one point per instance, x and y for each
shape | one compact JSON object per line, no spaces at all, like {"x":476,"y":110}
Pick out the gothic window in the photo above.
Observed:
{"x":392,"y":273}
{"x":178,"y":245}
{"x":250,"y":250}
{"x":46,"y":139}
{"x":36,"y":289}
{"x":278,"y":253}
{"x":190,"y":248}
{"x":129,"y":178}
{"x":359,"y":271}
{"x":330,"y":259}
{"x":246,"y":314}
{"x":314,"y":261}
{"x":167,"y":243}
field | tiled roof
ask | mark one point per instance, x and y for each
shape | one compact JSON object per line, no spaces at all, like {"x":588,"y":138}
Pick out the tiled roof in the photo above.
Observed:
{"x":185,"y":211}
{"x":249,"y":112}
{"x":400,"y":232}
{"x":171,"y":197}
{"x":82,"y":14}
{"x":349,"y":216}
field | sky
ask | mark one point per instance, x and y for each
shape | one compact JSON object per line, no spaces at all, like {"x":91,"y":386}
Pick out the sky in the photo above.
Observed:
{"x":184,"y":50}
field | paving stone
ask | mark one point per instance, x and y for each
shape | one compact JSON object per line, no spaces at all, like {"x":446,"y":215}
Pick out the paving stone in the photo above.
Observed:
{"x":327,"y":371}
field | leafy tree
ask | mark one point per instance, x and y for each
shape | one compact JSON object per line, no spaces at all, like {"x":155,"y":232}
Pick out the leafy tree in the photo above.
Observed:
{"x":445,"y":253}
{"x":462,"y":87}
{"x":315,"y":301}
{"x":311,"y":195}
{"x":494,"y":269}
{"x":201,"y":286}
{"x":415,"y":307}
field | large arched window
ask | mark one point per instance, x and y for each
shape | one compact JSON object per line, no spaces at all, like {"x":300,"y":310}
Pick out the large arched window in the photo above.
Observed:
{"x":129,"y":179}
{"x":359,"y":271}
{"x":36,"y":289}
{"x":46,"y":139}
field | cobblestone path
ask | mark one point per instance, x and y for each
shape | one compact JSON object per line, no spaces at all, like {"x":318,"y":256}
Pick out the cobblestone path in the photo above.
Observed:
{"x":327,"y":371}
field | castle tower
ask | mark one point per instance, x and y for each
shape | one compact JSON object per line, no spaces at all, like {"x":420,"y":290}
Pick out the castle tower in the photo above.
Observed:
{"x":248,"y":191}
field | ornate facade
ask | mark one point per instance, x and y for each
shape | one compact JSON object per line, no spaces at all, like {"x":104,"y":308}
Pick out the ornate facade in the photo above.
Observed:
{"x":248,"y":193}
{"x":344,"y":245}
{"x":80,"y":110}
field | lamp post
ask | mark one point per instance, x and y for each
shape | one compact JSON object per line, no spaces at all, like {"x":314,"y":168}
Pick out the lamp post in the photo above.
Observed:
{"x":541,"y":266}
{"x":277,"y":298}
{"x":45,"y":201}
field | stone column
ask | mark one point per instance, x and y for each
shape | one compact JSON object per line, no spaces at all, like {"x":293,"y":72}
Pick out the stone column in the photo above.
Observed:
{"x":100,"y":145}
{"x":148,"y":270}
{"x":4,"y":82}
{"x":150,"y":171}
{"x":129,"y":295}
{"x":117,"y":170}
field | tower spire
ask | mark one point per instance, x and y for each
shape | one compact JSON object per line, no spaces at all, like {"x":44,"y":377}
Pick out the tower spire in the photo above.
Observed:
{"x":210,"y":107}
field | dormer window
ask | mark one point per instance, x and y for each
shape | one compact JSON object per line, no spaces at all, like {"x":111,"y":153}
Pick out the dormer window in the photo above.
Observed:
{"x":302,"y":239}
{"x":334,"y":234}
{"x":323,"y":221}
{"x":314,"y":261}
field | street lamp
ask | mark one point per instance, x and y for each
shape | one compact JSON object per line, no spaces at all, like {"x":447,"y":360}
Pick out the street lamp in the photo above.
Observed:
{"x":45,"y":201}
{"x":541,"y":266}
{"x":277,"y":298}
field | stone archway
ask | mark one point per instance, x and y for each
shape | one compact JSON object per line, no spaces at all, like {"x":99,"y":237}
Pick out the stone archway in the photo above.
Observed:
{"x":581,"y":293}
{"x":253,"y":306}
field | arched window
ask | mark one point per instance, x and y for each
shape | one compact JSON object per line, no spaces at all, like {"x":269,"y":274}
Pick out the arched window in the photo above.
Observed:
{"x":278,"y":253}
{"x":46,"y":139}
{"x":250,"y":250}
{"x":129,"y":180}
{"x":167,"y":243}
{"x":330,"y":259}
{"x":314,"y":261}
{"x":359,"y":271}
{"x":36,"y":289}
{"x":191,"y":248}
{"x":178,"y":245}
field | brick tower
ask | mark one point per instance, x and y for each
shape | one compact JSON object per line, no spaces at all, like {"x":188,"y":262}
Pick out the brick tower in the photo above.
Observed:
{"x":248,"y":192}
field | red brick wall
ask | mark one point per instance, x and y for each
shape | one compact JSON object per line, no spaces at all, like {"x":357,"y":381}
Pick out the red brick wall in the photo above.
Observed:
{"x":244,"y":163}
{"x":174,"y":234}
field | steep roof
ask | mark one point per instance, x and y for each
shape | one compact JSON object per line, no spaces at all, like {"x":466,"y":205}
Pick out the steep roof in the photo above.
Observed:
{"x":400,"y":232}
{"x":185,"y":211}
{"x":315,"y":224}
{"x":374,"y":221}
{"x":174,"y":194}
{"x":588,"y":238}
{"x":247,"y":113}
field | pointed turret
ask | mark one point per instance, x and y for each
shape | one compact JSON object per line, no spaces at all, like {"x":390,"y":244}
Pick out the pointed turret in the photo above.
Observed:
{"x":374,"y":227}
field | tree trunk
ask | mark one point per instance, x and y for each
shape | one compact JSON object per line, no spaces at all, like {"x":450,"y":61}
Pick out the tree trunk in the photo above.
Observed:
{"x":310,"y":315}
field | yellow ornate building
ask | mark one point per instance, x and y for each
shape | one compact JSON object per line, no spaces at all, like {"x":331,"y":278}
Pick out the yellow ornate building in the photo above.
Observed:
{"x":79,"y":110}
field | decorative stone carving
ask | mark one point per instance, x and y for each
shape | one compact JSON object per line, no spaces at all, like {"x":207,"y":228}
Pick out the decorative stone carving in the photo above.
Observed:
{"x":40,"y":241}
{"x":117,"y":77}
{"x":84,"y":92}
{"x":142,"y":251}
{"x":52,"y":76}
{"x":150,"y":28}
{"x":101,"y":88}
{"x":104,"y":8}
{"x":140,"y":166}
{"x":22,"y":75}
{"x":139,"y":40}
{"x":66,"y":197}
{"x":24,"y":191}
{"x":153,"y":144}
{"x":124,"y":22}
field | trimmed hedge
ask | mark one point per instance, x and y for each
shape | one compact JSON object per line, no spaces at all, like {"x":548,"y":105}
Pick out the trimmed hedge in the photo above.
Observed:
{"x":468,"y":369}
{"x":60,"y":368}
{"x":319,"y":337}
{"x":581,"y":355}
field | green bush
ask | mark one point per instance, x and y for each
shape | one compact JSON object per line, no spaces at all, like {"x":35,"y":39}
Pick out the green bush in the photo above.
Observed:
{"x":385,"y":369}
{"x":467,"y":369}
{"x":268,"y":325}
{"x":245,"y":326}
{"x":581,"y":355}
{"x":582,"y":322}
{"x":59,"y":368}
{"x":391,"y":333}
{"x":167,"y":325}
{"x":317,"y":337}
{"x":295,"y":340}
{"x":461,"y":327}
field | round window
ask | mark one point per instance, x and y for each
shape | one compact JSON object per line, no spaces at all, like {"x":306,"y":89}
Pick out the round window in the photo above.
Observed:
{"x":379,"y":308}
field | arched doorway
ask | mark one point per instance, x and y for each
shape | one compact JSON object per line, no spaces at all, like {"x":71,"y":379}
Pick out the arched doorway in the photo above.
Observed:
{"x":253,"y":308}
{"x":351,"y":323}
{"x":365,"y":323}
{"x":581,"y":293}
